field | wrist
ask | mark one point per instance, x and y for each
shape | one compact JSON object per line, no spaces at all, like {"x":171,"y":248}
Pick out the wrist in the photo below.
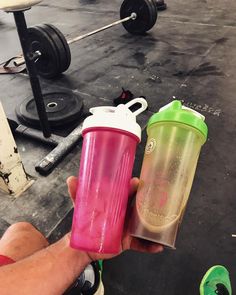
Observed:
{"x":71,"y":261}
{"x":79,"y":258}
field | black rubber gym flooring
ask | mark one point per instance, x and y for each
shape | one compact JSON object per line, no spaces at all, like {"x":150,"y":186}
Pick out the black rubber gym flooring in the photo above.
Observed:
{"x":190,"y":55}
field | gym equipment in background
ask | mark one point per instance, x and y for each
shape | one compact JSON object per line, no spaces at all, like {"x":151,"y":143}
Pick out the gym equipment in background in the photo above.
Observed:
{"x":63,"y":144}
{"x":51,"y":52}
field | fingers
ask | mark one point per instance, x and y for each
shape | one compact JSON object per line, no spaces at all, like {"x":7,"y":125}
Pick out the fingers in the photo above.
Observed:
{"x":133,"y":186}
{"x":72,"y":186}
{"x":145,"y":246}
{"x":132,"y":191}
{"x":126,"y":242}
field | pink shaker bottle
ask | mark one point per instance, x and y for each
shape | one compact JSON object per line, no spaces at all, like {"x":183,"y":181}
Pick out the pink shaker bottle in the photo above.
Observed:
{"x":110,"y":137}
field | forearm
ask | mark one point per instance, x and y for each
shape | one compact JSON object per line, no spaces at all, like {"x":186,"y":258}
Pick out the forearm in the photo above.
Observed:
{"x":48,"y":272}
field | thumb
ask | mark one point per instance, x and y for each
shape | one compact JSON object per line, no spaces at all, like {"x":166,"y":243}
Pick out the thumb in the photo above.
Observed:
{"x":72,"y":187}
{"x":134,"y":183}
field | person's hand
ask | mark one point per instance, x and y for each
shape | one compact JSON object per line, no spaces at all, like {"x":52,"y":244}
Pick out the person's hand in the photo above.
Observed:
{"x":128,"y":242}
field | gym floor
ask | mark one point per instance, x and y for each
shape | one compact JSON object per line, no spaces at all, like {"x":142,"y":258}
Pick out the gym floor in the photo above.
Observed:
{"x":189,"y":55}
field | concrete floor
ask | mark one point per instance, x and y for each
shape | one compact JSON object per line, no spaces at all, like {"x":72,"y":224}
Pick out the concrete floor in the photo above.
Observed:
{"x":190,"y":55}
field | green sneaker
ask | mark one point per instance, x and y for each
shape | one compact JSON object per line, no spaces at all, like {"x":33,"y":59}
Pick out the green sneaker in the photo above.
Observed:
{"x":216,"y":281}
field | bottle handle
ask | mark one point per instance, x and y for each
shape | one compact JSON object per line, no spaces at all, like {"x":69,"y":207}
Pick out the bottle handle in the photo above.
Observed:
{"x":139,"y":100}
{"x":110,"y":109}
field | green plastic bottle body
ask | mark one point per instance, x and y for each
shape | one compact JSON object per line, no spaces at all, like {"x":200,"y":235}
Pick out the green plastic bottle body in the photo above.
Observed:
{"x":167,"y":174}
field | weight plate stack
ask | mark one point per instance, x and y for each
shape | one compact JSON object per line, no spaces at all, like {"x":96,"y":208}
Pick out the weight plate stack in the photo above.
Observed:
{"x":48,"y":63}
{"x":62,"y":107}
{"x":61,"y":44}
{"x":153,"y":11}
{"x":146,"y":11}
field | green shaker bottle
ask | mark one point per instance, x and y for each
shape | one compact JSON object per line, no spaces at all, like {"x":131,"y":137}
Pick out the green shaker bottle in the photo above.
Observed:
{"x":175,"y":137}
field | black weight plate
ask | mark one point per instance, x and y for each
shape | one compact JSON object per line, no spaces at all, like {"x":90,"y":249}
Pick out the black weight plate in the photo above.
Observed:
{"x":66,"y":47}
{"x":58,"y":45}
{"x":152,"y":17}
{"x":62,"y":107}
{"x":61,"y":45}
{"x":153,"y":12}
{"x":146,"y":11}
{"x":47,"y":64}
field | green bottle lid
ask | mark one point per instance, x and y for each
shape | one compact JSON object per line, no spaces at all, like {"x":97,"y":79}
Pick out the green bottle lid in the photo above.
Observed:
{"x":176,"y":112}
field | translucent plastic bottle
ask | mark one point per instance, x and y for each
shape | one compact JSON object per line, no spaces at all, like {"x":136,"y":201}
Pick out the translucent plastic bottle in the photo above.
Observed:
{"x":175,"y":137}
{"x":110,"y":138}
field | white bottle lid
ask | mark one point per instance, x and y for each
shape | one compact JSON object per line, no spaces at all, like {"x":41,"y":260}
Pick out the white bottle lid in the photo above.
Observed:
{"x":120,"y":117}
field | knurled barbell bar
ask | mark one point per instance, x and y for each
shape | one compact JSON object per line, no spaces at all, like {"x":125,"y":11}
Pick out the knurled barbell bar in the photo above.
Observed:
{"x":50,"y":49}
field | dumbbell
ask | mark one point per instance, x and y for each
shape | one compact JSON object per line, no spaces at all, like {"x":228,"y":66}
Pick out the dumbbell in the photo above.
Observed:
{"x":50,"y":49}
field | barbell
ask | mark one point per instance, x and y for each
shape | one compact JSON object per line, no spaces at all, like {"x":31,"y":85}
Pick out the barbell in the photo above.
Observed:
{"x":50,"y":49}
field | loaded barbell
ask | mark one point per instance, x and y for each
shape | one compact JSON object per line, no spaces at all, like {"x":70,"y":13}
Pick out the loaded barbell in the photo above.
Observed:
{"x":50,"y":49}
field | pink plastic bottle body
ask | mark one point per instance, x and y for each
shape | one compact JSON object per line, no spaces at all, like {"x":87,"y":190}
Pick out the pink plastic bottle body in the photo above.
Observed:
{"x":105,"y":171}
